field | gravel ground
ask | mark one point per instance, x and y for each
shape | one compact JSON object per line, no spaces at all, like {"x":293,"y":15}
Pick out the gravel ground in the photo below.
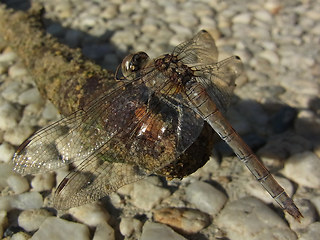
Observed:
{"x":276,"y":107}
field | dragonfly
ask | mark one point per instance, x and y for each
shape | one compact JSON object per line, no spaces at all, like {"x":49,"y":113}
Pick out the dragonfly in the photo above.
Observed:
{"x":156,"y":110}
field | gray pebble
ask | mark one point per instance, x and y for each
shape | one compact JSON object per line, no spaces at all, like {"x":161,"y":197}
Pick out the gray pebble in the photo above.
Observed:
{"x":205,"y":197}
{"x":239,"y":217}
{"x":304,"y":168}
{"x":30,"y":220}
{"x":60,"y":228}
{"x":158,"y":231}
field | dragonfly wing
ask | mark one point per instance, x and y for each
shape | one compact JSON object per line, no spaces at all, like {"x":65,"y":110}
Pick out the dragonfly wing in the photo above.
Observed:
{"x":70,"y":139}
{"x":219,"y":79}
{"x":200,"y":50}
{"x":157,"y":134}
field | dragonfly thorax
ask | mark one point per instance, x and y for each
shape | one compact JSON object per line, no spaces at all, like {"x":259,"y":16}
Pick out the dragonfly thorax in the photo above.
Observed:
{"x":176,"y":73}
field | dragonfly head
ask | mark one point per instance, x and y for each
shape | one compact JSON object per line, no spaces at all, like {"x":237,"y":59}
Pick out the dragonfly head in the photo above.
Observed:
{"x":133,"y":63}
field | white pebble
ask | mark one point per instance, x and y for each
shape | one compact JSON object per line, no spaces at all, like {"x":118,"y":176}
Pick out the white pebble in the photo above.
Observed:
{"x":205,"y":197}
{"x":29,"y":96}
{"x":12,"y":91}
{"x":146,"y":195}
{"x":158,"y":231}
{"x":30,"y":220}
{"x":90,"y":214}
{"x":129,"y":225}
{"x":17,"y":135}
{"x":249,"y":218}
{"x":18,"y":184}
{"x":20,"y":236}
{"x":304,"y":168}
{"x":3,"y":221}
{"x":9,"y":116}
{"x":50,"y":112}
{"x":5,"y":172}
{"x":6,"y":152}
{"x":43,"y":182}
{"x":24,"y":201}
{"x":243,"y":18}
{"x":17,"y":70}
{"x":311,"y":232}
{"x":103,"y":231}
{"x":57,"y":228}
{"x":7,"y":57}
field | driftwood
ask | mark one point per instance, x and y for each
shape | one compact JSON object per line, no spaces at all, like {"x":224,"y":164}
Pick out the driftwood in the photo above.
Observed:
{"x":70,"y":81}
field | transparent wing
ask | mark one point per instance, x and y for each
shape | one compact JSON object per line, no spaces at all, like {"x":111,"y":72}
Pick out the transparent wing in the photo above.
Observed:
{"x":155,"y":139}
{"x":200,"y":50}
{"x":219,"y":79}
{"x":70,"y":139}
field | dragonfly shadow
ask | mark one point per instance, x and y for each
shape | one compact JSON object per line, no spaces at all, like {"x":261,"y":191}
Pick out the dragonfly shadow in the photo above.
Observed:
{"x":274,"y":131}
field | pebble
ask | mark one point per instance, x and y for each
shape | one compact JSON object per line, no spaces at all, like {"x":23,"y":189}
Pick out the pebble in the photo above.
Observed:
{"x":158,"y":231}
{"x":18,"y":184}
{"x":104,"y":231}
{"x":30,"y":220}
{"x":129,"y":225}
{"x":30,"y":96}
{"x":7,"y":57}
{"x":17,"y":71}
{"x":17,"y":135}
{"x":249,"y":218}
{"x":9,"y":116}
{"x":304,"y":168}
{"x":187,"y":221}
{"x":3,"y":221}
{"x":205,"y":197}
{"x":146,"y":194}
{"x":20,"y":236}
{"x":6,"y":152}
{"x":90,"y":214}
{"x":50,"y":112}
{"x":308,"y":212}
{"x":5,"y":172}
{"x":57,"y":228}
{"x":311,"y":232}
{"x":12,"y":91}
{"x":24,"y":201}
{"x":43,"y":182}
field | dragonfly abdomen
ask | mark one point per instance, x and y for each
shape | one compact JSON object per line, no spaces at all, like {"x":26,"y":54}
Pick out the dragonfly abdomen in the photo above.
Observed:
{"x":208,"y":110}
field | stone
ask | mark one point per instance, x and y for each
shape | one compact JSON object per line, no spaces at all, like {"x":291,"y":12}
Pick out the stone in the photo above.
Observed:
{"x":187,"y":221}
{"x":311,"y":232}
{"x":29,"y":96}
{"x":6,"y":152}
{"x":43,"y":182}
{"x":205,"y":197}
{"x":90,"y":214}
{"x":24,"y":201}
{"x":57,"y":228}
{"x":9,"y":116}
{"x":5,"y":172}
{"x":158,"y":231}
{"x":249,"y":218}
{"x":103,"y":231}
{"x":20,"y":236}
{"x":30,"y":220}
{"x":3,"y":221}
{"x":146,"y":194}
{"x":17,"y":135}
{"x":304,"y":168}
{"x":18,"y":183}
{"x":129,"y":225}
